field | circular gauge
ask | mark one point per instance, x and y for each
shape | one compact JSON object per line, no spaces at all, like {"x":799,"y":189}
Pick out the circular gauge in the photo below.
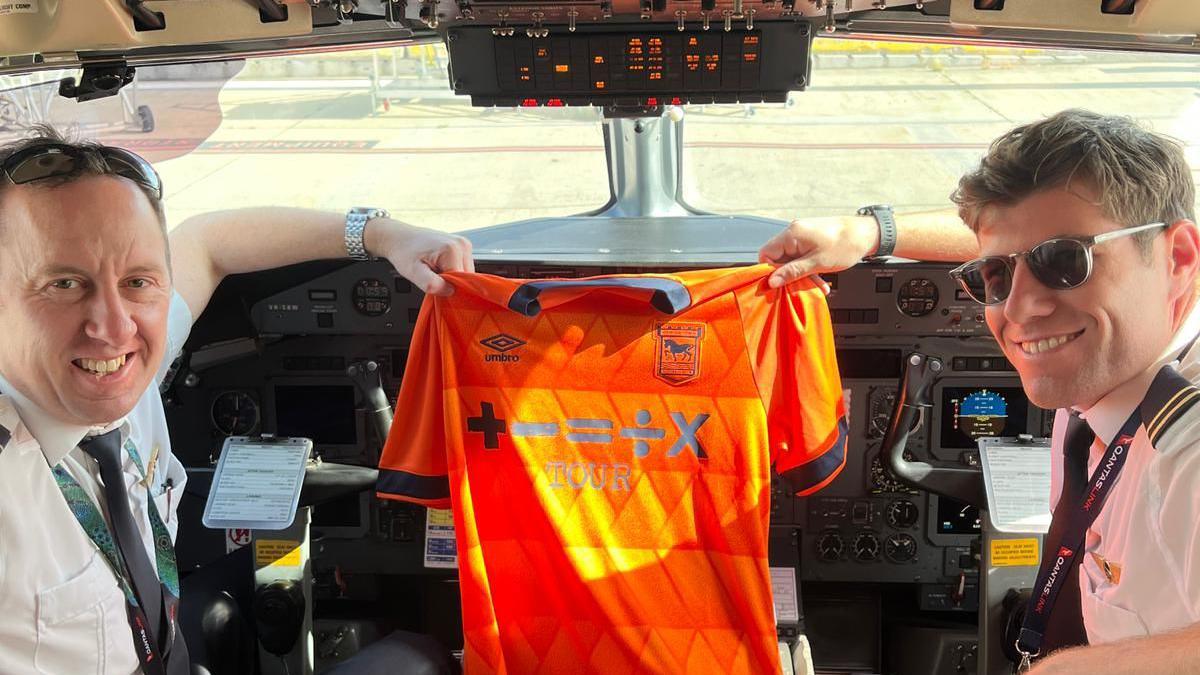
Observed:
{"x":917,"y":297}
{"x":883,"y":480}
{"x":883,"y":400}
{"x":902,"y":514}
{"x":981,"y":413}
{"x":372,"y":297}
{"x":830,"y":546}
{"x":235,"y":413}
{"x":900,"y":548}
{"x":866,"y":546}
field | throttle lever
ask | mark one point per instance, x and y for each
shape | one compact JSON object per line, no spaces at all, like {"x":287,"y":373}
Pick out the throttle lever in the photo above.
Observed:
{"x":914,"y":396}
{"x":367,"y":378}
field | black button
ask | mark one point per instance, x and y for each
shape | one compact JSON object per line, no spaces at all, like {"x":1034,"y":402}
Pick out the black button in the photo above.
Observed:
{"x":325,"y":320}
{"x":883,"y":284}
{"x":959,"y":363}
{"x":973,"y":364}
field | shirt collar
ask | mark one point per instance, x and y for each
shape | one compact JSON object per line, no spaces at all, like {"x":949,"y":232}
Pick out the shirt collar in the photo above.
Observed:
{"x":1107,"y":415}
{"x":56,"y":438}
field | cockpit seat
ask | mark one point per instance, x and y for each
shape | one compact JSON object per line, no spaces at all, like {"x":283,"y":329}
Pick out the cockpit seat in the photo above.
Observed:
{"x":400,"y":653}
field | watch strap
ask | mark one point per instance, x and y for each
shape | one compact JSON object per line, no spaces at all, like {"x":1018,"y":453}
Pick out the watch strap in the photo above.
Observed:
{"x":886,"y":220}
{"x":356,"y":225}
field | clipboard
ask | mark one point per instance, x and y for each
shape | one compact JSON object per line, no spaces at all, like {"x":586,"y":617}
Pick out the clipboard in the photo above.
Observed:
{"x":1016,"y":473}
{"x":257,"y":483}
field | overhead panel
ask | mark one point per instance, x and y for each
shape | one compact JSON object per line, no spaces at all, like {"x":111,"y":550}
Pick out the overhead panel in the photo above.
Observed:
{"x":1147,"y":18}
{"x":631,"y":65}
{"x":64,"y":26}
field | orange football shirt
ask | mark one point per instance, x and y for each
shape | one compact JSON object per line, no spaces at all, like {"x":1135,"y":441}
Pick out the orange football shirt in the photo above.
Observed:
{"x":606,"y":445}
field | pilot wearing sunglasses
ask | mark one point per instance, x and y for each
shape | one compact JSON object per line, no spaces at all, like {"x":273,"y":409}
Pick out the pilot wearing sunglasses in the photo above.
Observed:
{"x":1084,"y":253}
{"x":95,"y":302}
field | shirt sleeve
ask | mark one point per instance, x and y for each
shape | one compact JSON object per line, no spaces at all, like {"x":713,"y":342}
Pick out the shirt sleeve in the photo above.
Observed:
{"x":790,"y":340}
{"x":413,"y":465}
{"x":179,"y":326}
{"x":1173,"y":484}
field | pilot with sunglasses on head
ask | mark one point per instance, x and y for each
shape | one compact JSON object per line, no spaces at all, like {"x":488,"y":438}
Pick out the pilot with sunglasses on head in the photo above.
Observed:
{"x":95,"y":301}
{"x":1085,"y":225}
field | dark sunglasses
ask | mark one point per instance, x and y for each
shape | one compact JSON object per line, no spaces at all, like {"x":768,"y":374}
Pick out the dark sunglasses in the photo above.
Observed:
{"x":1060,"y":264}
{"x":52,"y":160}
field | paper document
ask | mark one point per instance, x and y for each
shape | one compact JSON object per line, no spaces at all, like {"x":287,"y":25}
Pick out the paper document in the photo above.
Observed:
{"x":257,"y":485}
{"x":1017,"y":476}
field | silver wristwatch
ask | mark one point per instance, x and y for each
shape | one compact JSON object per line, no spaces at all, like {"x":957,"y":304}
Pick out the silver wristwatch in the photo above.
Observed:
{"x":356,"y":223}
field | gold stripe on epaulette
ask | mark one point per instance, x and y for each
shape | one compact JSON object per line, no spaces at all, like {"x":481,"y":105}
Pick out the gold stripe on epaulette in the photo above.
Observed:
{"x":1165,"y":406}
{"x":1169,"y":413}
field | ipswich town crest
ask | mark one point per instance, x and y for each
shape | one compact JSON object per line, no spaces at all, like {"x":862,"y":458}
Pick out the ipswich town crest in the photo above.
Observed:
{"x":678,"y":357}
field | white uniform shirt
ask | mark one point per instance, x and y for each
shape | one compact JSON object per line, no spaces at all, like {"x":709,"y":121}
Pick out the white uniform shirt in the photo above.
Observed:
{"x":1140,"y":571}
{"x":61,"y":609}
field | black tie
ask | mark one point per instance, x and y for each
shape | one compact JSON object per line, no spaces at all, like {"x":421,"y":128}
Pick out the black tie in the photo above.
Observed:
{"x":1065,"y":628}
{"x":106,"y":450}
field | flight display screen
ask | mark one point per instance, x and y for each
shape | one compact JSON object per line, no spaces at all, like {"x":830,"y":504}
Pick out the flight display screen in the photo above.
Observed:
{"x":606,"y":65}
{"x":971,"y":413}
{"x":955,"y":517}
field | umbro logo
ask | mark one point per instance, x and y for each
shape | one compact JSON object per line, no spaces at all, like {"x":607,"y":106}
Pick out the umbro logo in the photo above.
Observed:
{"x":501,"y":343}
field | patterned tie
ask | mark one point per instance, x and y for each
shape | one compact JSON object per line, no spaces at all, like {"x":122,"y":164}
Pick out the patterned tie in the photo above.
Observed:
{"x":1065,"y":628}
{"x":106,"y":450}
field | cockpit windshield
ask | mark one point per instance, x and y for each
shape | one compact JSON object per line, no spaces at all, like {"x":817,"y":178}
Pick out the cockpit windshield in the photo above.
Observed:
{"x":880,"y":121}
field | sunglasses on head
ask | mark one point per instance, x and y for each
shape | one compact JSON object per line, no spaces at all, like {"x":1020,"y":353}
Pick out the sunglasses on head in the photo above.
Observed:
{"x":55,"y":160}
{"x":1061,"y":264}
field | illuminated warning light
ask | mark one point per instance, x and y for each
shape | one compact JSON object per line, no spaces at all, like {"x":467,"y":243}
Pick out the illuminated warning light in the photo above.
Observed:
{"x":562,"y":68}
{"x":749,"y":57}
{"x":676,"y":101}
{"x":542,"y":52}
{"x":597,"y":59}
{"x":750,"y":40}
{"x":656,"y":76}
{"x":693,"y":42}
{"x":635,"y":41}
{"x":529,"y":103}
{"x":656,"y":41}
{"x":599,"y":84}
{"x":652,"y":101}
{"x":555,"y":103}
{"x":523,"y":69}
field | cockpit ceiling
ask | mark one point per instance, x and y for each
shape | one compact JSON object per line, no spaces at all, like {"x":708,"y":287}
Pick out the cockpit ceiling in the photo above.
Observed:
{"x":41,"y":34}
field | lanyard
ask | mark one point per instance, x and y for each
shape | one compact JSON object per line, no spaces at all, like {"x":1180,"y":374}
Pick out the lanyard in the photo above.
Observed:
{"x":1068,"y":550}
{"x":90,"y":519}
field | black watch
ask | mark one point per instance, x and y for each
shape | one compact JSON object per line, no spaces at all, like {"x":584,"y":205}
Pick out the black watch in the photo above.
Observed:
{"x":886,"y":219}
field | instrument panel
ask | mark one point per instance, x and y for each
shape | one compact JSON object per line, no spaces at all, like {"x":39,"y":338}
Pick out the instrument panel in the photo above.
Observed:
{"x":630,"y":66}
{"x":285,"y":371}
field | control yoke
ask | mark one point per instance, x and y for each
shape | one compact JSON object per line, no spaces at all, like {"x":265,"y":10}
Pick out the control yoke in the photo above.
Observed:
{"x":366,"y":377}
{"x":914,"y":396}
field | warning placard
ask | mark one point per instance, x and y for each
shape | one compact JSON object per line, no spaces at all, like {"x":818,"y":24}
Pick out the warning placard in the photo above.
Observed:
{"x":1015,"y":552}
{"x":277,"y":552}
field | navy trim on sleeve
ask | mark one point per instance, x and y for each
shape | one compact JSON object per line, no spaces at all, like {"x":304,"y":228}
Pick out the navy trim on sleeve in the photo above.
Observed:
{"x":412,"y":486}
{"x":807,"y":476}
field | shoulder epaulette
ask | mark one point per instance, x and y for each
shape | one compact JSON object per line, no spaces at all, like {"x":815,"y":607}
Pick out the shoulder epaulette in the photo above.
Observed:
{"x":1169,"y":397}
